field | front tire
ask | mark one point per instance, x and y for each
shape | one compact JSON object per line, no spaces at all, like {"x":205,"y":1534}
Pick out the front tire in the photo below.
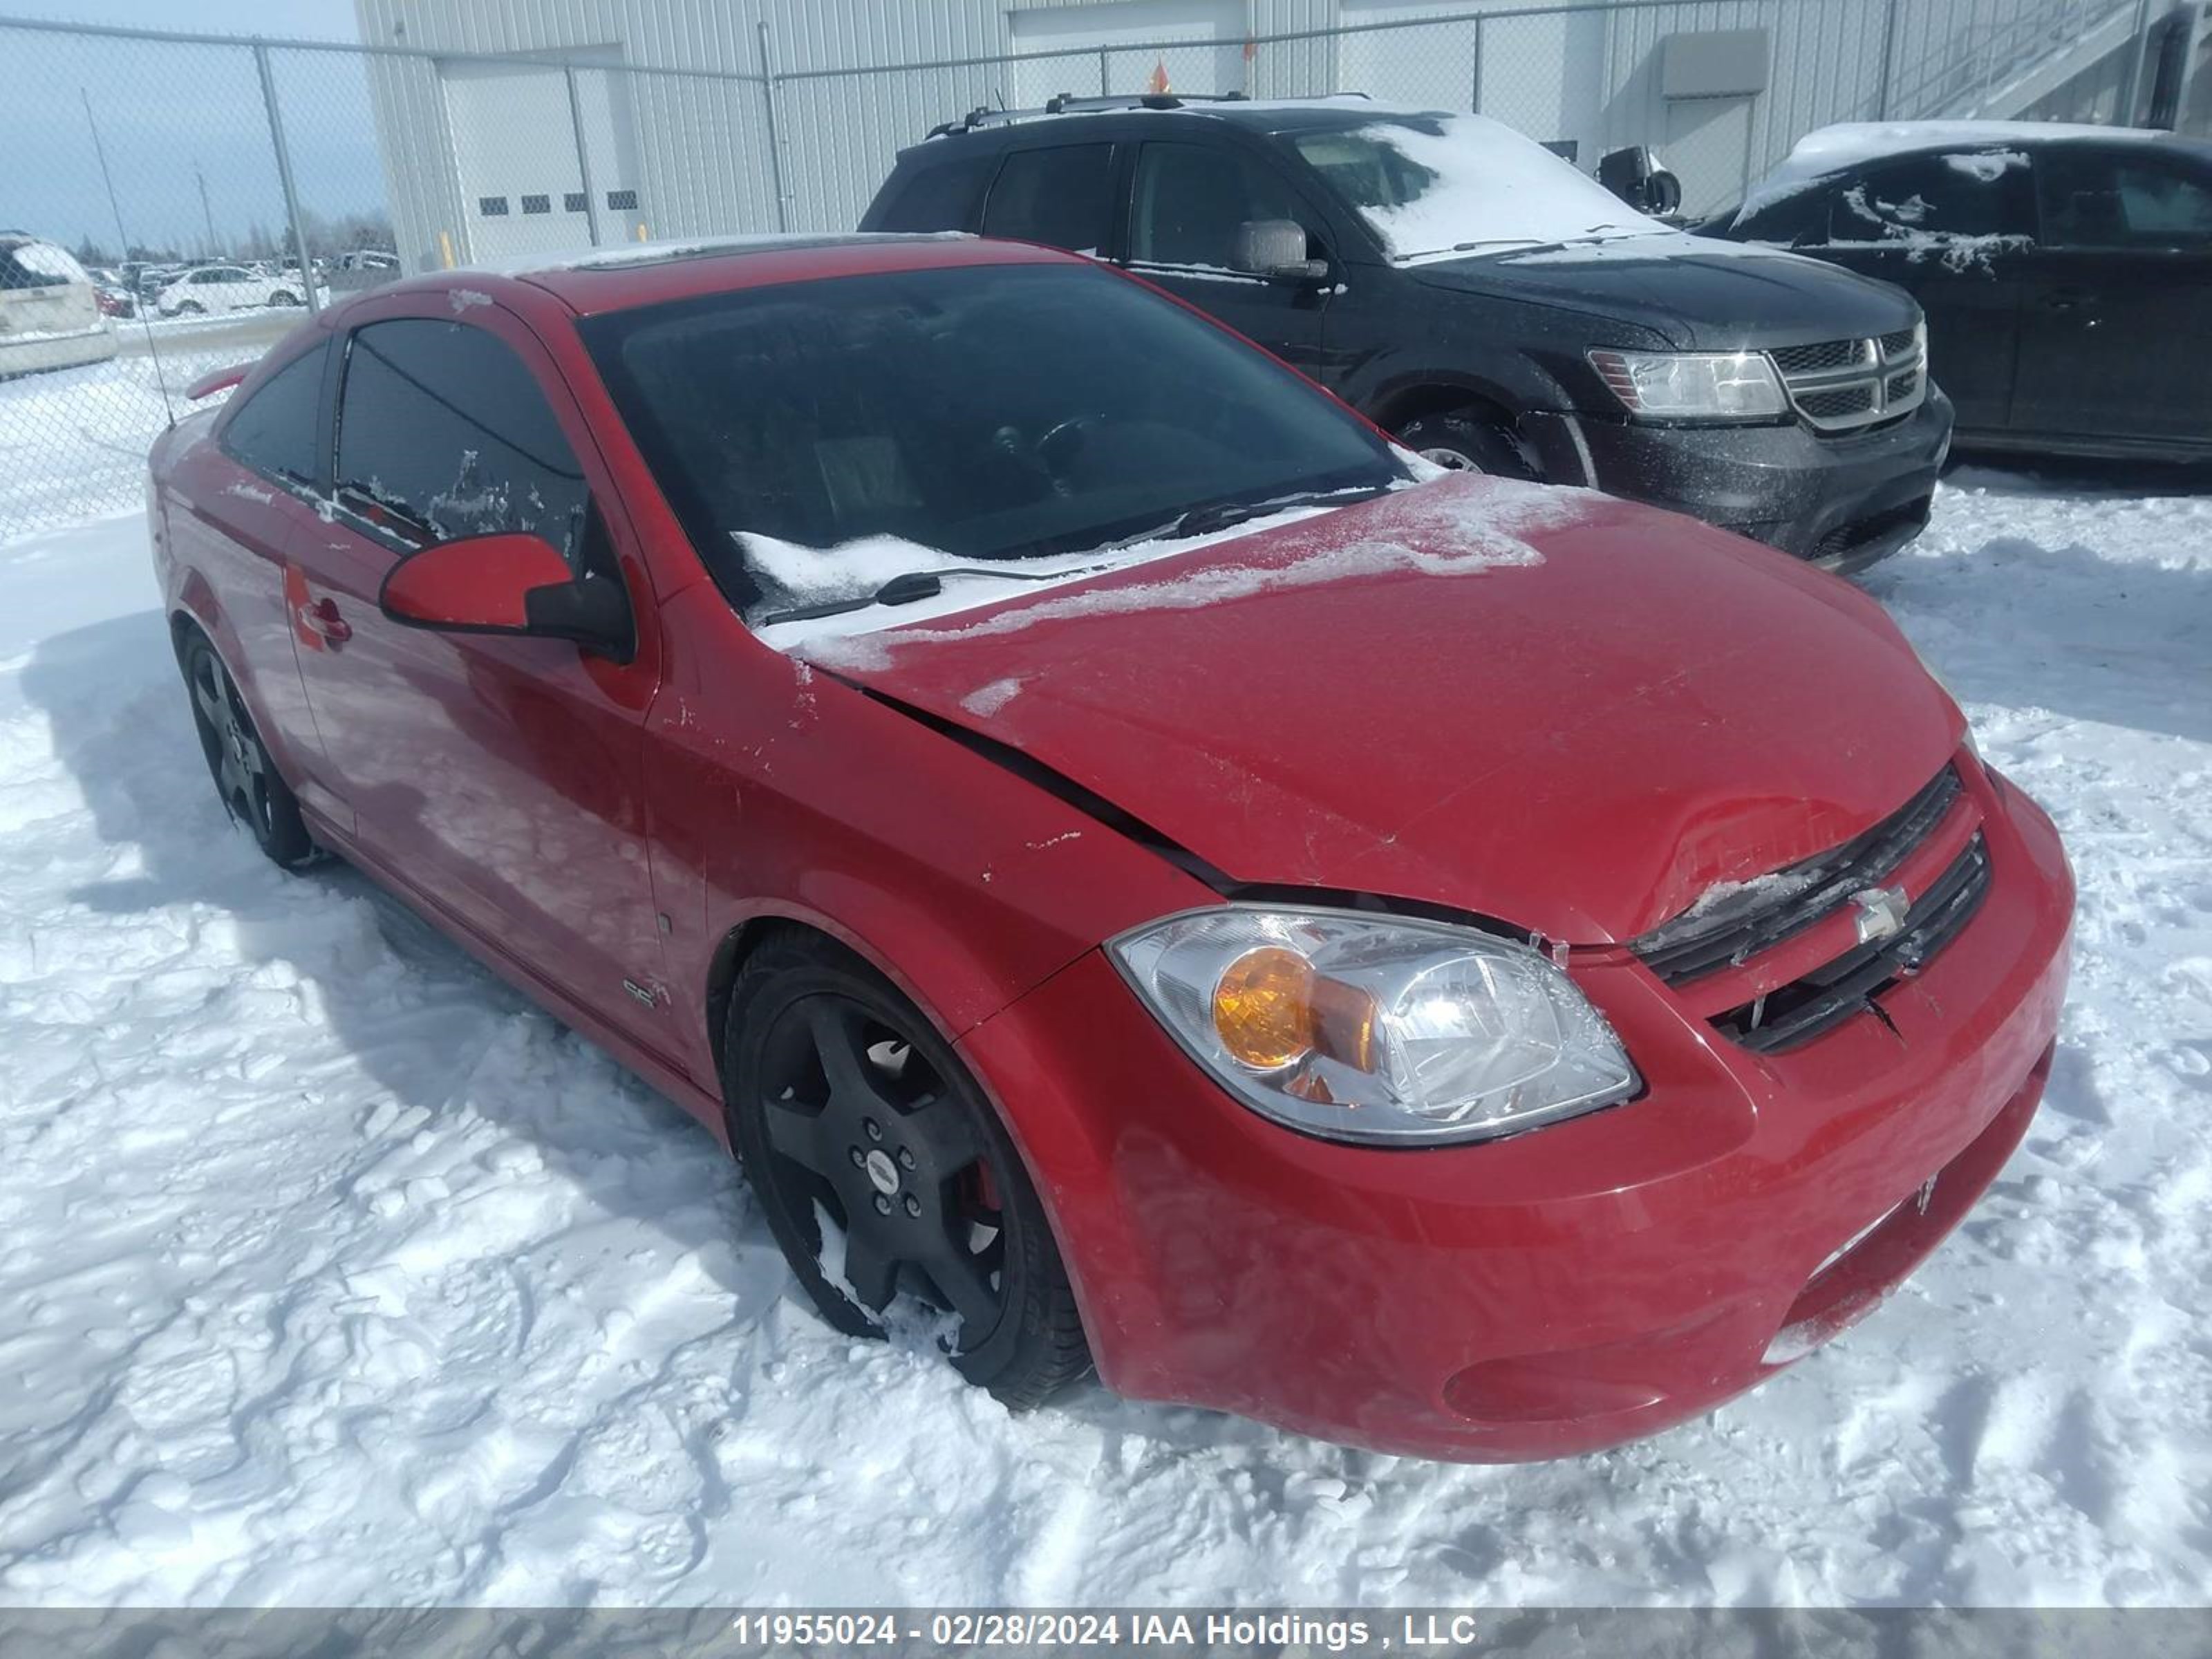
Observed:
{"x":1469,"y":440}
{"x":882,"y":1168}
{"x":246,"y":779}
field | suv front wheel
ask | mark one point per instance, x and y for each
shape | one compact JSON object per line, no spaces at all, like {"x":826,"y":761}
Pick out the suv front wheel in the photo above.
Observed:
{"x":1468,"y":440}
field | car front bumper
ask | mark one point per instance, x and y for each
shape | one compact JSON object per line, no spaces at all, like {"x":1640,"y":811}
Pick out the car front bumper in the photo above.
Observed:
{"x":1837,"y":502}
{"x":1566,"y":1289}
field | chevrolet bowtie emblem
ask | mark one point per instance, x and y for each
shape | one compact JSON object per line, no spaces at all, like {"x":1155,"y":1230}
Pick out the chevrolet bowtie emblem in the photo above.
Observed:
{"x":1882,"y":912}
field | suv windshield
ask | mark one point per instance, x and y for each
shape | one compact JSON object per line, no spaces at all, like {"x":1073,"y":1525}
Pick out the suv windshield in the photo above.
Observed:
{"x":1460,"y":184}
{"x":984,"y":412}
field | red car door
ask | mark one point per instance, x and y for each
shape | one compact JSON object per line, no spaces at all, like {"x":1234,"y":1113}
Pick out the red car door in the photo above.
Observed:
{"x":500,"y":778}
{"x":236,"y":508}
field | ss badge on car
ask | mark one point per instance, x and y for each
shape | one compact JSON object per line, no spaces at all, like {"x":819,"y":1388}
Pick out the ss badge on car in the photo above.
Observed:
{"x":1882,"y":912}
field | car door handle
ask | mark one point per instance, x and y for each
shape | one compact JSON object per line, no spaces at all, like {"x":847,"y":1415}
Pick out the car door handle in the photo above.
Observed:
{"x":322,"y":618}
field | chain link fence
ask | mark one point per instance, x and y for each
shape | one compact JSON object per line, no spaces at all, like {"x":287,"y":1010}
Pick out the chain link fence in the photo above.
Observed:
{"x":177,"y":203}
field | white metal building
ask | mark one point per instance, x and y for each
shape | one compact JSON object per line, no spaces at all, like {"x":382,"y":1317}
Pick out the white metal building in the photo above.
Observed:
{"x":614,"y":119}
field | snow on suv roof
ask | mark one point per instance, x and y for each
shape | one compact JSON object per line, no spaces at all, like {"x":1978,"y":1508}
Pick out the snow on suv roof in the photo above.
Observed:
{"x":1431,"y":184}
{"x":1825,"y":150}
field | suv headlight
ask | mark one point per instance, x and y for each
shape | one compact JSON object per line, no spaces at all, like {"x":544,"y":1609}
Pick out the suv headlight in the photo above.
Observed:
{"x":1376,"y":1028}
{"x":1693,"y":386}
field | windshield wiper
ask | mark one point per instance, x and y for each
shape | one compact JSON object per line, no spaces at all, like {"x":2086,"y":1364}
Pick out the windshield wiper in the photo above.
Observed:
{"x":1205,"y":521}
{"x":914,"y":586}
{"x":910,"y":587}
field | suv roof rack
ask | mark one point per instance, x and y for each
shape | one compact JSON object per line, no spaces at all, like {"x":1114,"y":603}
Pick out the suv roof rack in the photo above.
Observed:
{"x":1067,"y":103}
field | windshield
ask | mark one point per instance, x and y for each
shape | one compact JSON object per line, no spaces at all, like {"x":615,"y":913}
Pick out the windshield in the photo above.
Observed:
{"x":982,"y":413}
{"x":1459,"y":183}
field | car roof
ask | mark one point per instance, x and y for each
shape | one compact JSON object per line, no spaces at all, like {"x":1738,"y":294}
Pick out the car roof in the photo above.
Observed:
{"x":601,"y":280}
{"x":1333,"y":113}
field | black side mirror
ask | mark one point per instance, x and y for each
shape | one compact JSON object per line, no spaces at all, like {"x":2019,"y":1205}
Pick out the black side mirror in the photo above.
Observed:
{"x":592,"y":610}
{"x":1635,"y":176}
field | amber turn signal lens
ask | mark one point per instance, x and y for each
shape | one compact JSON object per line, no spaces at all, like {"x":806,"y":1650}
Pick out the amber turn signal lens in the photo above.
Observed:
{"x":1272,"y":1010}
{"x":1263,"y":1008}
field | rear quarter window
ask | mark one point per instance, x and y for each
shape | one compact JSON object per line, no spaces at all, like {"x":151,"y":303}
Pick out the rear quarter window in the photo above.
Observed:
{"x":943,"y":196}
{"x":277,"y":429}
{"x":1062,"y":197}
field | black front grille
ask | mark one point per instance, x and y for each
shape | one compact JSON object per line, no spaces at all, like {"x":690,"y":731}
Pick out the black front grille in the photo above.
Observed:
{"x":1903,"y":385}
{"x":1834,"y":406}
{"x":1763,"y":913}
{"x":1812,"y":359}
{"x":1797,"y":1012}
{"x":1897,"y":344}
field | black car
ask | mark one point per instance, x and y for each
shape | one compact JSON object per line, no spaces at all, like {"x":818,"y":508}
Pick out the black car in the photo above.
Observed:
{"x":2066,"y":271}
{"x":1481,"y":300}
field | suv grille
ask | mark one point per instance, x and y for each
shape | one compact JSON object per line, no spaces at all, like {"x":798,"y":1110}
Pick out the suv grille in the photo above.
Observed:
{"x":1842,"y":386}
{"x":1764,"y":912}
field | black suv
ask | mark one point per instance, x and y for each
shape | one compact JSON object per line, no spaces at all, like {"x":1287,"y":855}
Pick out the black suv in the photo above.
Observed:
{"x":1482,"y":300}
{"x":2068,"y":270}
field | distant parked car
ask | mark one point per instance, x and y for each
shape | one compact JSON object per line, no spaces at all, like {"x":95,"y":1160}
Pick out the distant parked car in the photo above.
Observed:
{"x":1481,"y":300}
{"x":50,"y":310}
{"x":227,"y":287}
{"x":2066,"y":271}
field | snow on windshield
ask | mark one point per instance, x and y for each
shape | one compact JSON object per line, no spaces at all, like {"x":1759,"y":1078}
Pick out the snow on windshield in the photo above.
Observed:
{"x":44,"y":259}
{"x":1433,"y":184}
{"x":1457,"y":525}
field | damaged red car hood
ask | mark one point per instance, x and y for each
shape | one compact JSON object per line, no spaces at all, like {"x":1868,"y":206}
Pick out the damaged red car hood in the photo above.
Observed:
{"x":1564,"y":711}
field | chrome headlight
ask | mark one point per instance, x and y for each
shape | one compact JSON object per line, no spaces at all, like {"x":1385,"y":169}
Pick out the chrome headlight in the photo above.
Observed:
{"x":1693,"y":386}
{"x":1376,"y":1028}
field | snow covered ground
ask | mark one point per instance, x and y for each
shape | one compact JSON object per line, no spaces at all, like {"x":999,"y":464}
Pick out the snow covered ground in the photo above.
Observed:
{"x":331,"y":1273}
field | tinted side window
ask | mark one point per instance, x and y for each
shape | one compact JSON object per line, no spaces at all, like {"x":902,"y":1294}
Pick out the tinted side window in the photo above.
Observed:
{"x":2094,"y":198}
{"x":1191,"y":197}
{"x":1958,"y":193}
{"x":443,"y":433}
{"x":939,"y":198}
{"x":1062,"y":197}
{"x":275,"y":430}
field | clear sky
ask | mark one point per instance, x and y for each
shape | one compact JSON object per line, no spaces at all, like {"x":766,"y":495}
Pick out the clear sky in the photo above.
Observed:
{"x":178,"y":118}
{"x":312,"y":20}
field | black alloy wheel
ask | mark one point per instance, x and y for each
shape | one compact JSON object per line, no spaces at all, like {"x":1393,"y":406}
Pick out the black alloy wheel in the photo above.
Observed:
{"x":253,"y":791}
{"x":882,"y":1170}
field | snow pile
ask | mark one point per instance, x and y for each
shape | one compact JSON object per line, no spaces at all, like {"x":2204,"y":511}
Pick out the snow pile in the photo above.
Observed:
{"x":73,"y":443}
{"x":331,"y":1271}
{"x":1480,"y":186}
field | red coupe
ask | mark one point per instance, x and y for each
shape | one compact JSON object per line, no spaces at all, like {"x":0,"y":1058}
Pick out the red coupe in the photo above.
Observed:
{"x":1127,"y":863}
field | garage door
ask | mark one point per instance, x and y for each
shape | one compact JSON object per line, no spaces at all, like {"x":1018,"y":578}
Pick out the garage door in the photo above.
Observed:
{"x":514,"y":147}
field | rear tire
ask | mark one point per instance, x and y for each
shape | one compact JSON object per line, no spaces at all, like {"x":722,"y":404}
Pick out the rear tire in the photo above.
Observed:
{"x":245,"y":778}
{"x":846,"y":1108}
{"x":1469,"y":440}
{"x":280,"y":301}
